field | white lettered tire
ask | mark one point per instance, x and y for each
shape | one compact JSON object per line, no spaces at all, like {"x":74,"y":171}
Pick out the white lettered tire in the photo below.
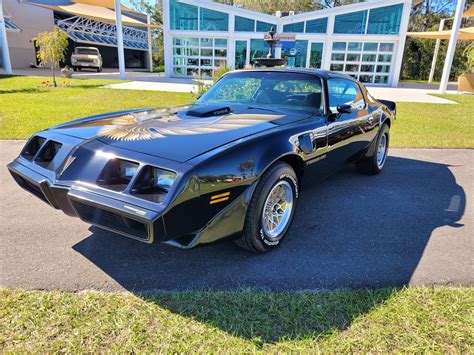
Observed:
{"x":271,"y":209}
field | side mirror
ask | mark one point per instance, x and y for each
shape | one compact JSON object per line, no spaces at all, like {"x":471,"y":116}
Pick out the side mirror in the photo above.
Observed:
{"x":344,"y":108}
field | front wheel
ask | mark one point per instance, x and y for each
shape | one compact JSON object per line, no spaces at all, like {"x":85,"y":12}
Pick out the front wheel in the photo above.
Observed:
{"x":374,"y":164}
{"x":271,"y":209}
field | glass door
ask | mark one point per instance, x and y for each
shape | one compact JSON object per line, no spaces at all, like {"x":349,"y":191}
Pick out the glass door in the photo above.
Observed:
{"x":241,"y":53}
{"x":316,"y":55}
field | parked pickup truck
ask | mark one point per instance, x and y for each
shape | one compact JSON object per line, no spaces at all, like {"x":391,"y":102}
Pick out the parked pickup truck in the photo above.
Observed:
{"x":86,"y":57}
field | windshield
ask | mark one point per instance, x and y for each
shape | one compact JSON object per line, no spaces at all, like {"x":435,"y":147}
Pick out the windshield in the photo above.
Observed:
{"x":87,"y":51}
{"x":268,"y":89}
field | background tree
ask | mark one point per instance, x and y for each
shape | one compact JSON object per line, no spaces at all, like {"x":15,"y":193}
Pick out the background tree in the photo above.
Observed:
{"x":52,"y":48}
{"x":426,"y":16}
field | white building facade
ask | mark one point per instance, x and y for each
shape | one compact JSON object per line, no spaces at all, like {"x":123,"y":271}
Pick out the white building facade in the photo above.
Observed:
{"x":365,"y":40}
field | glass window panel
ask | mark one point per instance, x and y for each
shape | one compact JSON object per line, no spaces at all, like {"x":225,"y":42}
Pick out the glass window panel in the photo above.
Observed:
{"x":206,"y":73}
{"x":297,"y":27}
{"x":193,"y":61}
{"x":192,"y":71}
{"x":212,"y":20}
{"x":178,"y":51}
{"x":243,"y":24}
{"x":319,"y":25}
{"x":265,"y":26}
{"x":300,"y":48}
{"x":240,"y":54}
{"x":383,"y":68}
{"x":337,"y":67}
{"x":192,"y":42}
{"x":344,"y":92}
{"x":206,"y":52}
{"x":385,"y":20}
{"x":366,"y":78}
{"x":206,"y":42}
{"x":339,"y":46}
{"x":316,"y":55}
{"x":206,"y":62}
{"x":353,"y":57}
{"x":179,"y":41}
{"x":352,"y":67}
{"x":220,"y":52}
{"x":183,"y":16}
{"x":179,"y":61}
{"x":385,"y":58}
{"x":367,"y":68}
{"x":256,"y":49}
{"x":381,"y":79}
{"x":386,"y":47}
{"x":354,"y":46}
{"x":370,"y":47}
{"x":369,"y":57}
{"x":353,"y":22}
{"x":338,"y":56}
{"x":220,"y":42}
{"x":193,"y":52}
{"x":178,"y":71}
{"x":220,"y":63}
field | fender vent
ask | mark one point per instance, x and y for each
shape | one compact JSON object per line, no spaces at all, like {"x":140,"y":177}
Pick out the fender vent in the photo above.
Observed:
{"x":111,"y":220}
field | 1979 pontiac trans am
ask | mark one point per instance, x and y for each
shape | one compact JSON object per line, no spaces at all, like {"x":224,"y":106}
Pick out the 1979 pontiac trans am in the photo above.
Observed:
{"x":229,"y":165}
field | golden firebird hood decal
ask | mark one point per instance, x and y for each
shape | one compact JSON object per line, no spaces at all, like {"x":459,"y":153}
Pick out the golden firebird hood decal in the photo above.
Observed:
{"x":161,"y":123}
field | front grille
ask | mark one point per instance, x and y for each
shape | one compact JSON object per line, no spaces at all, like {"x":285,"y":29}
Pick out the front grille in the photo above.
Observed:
{"x":111,"y":220}
{"x":85,"y":60}
{"x":29,"y":186}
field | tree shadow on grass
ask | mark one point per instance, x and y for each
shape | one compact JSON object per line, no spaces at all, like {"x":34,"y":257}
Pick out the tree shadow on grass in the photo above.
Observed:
{"x":350,"y":231}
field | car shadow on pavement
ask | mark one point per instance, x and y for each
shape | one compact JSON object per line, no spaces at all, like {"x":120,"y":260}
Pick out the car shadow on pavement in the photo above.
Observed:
{"x":350,"y":231}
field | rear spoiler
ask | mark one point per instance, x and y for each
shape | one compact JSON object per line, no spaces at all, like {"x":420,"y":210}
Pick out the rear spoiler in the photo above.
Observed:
{"x":392,"y":106}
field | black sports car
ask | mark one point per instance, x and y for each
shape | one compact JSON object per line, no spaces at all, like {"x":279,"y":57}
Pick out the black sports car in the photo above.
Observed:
{"x":229,"y":165}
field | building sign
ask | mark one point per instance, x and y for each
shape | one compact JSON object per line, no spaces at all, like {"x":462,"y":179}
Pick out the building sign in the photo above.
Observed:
{"x":283,"y":37}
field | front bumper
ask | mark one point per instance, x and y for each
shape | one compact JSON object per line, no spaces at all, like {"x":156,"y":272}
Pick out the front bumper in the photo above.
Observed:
{"x":127,"y":219}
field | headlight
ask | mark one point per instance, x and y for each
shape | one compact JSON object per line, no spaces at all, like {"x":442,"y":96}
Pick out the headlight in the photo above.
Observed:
{"x":163,"y":179}
{"x":74,"y":60}
{"x":117,"y":174}
{"x":153,"y":184}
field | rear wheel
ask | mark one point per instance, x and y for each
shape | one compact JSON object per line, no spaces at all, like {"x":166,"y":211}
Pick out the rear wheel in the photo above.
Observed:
{"x":271,"y":209}
{"x":374,"y":164}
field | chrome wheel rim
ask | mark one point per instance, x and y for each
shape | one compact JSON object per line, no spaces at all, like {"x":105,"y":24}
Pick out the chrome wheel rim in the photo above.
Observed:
{"x":277,"y":209}
{"x":382,"y":151}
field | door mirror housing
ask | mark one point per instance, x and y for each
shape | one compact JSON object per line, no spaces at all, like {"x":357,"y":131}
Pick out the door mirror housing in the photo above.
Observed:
{"x":345,"y":108}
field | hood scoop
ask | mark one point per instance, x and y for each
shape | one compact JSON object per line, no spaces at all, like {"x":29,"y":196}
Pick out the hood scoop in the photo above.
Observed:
{"x":209,"y":110}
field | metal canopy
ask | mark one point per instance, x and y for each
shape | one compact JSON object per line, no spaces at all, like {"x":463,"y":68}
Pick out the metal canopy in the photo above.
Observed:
{"x":465,"y":34}
{"x":84,"y":8}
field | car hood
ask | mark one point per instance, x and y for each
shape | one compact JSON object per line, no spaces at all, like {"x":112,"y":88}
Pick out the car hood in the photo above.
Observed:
{"x":177,"y":133}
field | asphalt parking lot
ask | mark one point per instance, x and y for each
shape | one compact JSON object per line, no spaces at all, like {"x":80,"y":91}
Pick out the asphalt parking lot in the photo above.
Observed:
{"x":411,"y":225}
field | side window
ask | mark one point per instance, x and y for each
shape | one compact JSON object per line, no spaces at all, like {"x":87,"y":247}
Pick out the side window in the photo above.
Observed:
{"x":344,"y":92}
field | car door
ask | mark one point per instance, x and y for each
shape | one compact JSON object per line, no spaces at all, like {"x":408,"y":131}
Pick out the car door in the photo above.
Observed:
{"x":350,"y":128}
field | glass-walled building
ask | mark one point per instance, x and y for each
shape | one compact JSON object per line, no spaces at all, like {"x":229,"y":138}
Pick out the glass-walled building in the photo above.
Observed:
{"x":365,"y":40}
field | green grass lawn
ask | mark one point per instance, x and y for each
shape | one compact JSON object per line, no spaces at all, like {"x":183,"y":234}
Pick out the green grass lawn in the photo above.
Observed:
{"x":409,"y":320}
{"x":422,"y":125}
{"x":26,"y":109}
